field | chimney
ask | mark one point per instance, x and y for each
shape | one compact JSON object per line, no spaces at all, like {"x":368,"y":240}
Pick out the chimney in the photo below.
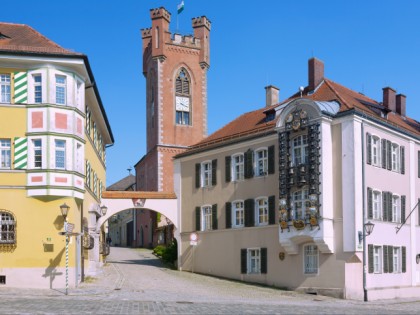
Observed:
{"x":400,"y":104}
{"x":315,"y":73}
{"x":271,"y":95}
{"x":389,"y":98}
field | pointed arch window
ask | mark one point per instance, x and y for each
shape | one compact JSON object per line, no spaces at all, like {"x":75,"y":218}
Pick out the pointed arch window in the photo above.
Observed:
{"x":182,"y":98}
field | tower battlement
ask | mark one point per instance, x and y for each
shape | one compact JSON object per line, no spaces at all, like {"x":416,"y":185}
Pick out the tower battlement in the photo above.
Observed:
{"x":201,"y":21}
{"x":187,"y":41}
{"x":146,"y":32}
{"x":160,"y":13}
{"x":157,"y":39}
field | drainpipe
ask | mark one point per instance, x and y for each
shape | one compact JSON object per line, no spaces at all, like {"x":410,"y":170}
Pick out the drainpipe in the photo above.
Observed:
{"x":365,"y":297}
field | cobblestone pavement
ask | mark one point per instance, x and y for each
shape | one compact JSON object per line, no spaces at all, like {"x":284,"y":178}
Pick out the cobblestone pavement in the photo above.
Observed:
{"x":135,"y":282}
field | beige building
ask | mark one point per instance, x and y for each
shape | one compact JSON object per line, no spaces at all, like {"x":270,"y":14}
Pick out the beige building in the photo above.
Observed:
{"x":281,"y":195}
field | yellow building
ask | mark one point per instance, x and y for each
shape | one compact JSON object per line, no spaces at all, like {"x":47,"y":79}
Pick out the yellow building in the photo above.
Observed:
{"x":53,"y":135}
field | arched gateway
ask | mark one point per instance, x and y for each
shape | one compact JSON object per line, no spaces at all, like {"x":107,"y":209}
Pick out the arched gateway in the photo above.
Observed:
{"x":165,"y":203}
{"x":162,"y":202}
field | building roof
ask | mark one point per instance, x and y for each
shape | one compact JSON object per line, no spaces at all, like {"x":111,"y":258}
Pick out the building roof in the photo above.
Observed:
{"x":23,"y":38}
{"x":127,"y":183}
{"x":255,"y":123}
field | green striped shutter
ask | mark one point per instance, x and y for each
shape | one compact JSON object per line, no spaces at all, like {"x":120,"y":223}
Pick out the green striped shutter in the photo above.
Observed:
{"x":21,"y":153}
{"x":21,"y":87}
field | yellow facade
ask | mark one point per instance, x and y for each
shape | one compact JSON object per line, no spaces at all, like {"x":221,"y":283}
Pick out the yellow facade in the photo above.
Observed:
{"x":59,"y":144}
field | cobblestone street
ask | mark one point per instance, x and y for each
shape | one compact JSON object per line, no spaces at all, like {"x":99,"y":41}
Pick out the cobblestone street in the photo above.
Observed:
{"x":135,"y":282}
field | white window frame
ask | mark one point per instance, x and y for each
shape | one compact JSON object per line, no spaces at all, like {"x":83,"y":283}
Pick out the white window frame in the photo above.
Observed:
{"x":261,"y":211}
{"x":376,"y":151}
{"x":206,"y":174}
{"x":300,"y":150}
{"x":396,"y":259}
{"x":396,"y":208}
{"x":37,"y":87}
{"x":238,"y":167}
{"x":60,"y":152}
{"x":79,"y":157}
{"x":395,"y":157}
{"x":60,"y":88}
{"x":300,"y":198}
{"x":310,"y":259}
{"x":253,"y":260}
{"x":261,"y":162}
{"x":238,"y":214}
{"x":5,"y":88}
{"x":79,"y":94}
{"x":206,"y":218}
{"x":377,"y":259}
{"x":377,"y":204}
{"x":37,"y":152}
{"x":5,"y":154}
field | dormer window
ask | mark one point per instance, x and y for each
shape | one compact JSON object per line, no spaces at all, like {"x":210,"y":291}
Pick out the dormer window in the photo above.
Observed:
{"x":2,"y":36}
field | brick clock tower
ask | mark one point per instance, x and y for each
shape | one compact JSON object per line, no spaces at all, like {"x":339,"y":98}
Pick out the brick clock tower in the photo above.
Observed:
{"x":175,"y":68}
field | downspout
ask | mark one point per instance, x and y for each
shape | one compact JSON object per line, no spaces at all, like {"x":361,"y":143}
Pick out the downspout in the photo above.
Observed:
{"x":365,"y":297}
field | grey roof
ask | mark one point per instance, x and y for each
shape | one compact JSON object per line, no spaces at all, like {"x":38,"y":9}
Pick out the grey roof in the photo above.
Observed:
{"x":127,"y":183}
{"x":329,"y":107}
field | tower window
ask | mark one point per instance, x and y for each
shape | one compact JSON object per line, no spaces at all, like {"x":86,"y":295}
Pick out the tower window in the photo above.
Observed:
{"x":182,"y":99}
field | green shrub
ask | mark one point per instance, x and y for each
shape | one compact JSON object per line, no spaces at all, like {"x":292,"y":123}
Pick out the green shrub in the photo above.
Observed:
{"x":171,"y":253}
{"x":168,"y":253}
{"x":159,"y":250}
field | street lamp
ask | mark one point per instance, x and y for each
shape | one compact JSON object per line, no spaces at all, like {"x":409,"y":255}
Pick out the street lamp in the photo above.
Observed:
{"x":64,"y":208}
{"x":104,"y":209}
{"x":367,"y":230}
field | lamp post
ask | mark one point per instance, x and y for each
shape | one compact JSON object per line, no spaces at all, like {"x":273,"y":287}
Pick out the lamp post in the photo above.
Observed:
{"x":367,"y":230}
{"x":64,"y":211}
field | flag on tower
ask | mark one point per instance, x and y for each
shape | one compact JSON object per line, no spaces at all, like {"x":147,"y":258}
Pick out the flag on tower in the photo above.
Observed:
{"x":180,"y":7}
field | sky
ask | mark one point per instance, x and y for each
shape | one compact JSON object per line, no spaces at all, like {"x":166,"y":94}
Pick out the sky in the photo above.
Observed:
{"x":365,"y":46}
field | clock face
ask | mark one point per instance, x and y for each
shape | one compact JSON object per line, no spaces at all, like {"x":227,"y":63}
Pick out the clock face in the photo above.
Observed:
{"x":182,"y":103}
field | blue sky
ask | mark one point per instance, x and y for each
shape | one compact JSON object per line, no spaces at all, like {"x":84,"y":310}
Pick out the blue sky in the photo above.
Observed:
{"x":365,"y":45}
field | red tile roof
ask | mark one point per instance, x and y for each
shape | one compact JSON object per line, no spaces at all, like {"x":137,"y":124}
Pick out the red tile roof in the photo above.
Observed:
{"x":23,"y":38}
{"x":254,"y":123}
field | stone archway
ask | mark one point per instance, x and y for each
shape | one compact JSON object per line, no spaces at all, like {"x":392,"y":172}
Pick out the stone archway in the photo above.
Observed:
{"x":162,"y":202}
{"x":165,"y":203}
